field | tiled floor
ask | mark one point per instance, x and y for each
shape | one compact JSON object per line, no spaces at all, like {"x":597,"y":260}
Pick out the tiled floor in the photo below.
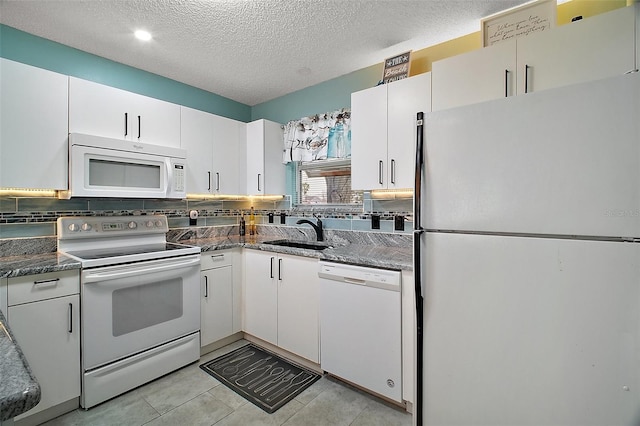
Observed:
{"x":190,"y":397}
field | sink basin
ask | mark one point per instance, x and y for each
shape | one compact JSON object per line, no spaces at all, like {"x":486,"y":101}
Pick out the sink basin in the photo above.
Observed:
{"x":299,"y":244}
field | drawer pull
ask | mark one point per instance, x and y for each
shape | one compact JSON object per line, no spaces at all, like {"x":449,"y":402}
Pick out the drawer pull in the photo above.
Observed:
{"x":217,"y":256}
{"x":53,"y":281}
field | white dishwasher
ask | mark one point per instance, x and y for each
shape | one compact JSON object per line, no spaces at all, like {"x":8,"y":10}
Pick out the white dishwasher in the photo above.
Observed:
{"x":360,"y":327}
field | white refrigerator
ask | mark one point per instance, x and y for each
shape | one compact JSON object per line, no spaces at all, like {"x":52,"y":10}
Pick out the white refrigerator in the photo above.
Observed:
{"x":527,"y":259}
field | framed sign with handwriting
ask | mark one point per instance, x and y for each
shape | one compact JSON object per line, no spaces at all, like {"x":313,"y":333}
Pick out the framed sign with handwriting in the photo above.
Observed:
{"x":530,"y":18}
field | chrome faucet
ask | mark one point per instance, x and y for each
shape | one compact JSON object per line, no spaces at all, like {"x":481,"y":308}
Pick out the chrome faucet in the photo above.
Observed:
{"x":317,"y":227}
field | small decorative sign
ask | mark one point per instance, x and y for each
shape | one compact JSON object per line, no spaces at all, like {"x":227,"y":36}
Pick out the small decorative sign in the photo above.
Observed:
{"x":530,"y":18}
{"x":397,"y":67}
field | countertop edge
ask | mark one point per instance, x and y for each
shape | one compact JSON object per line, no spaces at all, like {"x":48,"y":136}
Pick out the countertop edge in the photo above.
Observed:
{"x":16,"y":399}
{"x":352,"y":254}
{"x":16,"y":266}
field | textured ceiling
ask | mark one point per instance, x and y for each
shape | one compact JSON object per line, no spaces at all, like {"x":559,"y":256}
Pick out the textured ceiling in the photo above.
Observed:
{"x":250,"y":51}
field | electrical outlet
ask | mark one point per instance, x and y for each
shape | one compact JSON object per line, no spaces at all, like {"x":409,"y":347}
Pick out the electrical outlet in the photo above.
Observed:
{"x":375,"y":221}
{"x":398,"y":223}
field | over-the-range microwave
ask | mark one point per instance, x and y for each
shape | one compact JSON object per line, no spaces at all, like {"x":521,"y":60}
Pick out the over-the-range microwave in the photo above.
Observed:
{"x":104,"y":167}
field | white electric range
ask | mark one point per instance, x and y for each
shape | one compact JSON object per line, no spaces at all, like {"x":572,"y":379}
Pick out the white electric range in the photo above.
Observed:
{"x":140,"y":298}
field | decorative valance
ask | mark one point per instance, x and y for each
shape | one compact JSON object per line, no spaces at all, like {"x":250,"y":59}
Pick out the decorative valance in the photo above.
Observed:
{"x":318,"y":137}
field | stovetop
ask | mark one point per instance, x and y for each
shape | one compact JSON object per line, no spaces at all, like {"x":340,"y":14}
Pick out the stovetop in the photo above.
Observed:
{"x":126,"y":251}
{"x":114,"y":240}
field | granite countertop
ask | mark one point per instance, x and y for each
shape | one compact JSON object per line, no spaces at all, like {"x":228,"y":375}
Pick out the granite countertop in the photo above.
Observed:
{"x":386,"y":257}
{"x":15,"y":266}
{"x":19,"y":390}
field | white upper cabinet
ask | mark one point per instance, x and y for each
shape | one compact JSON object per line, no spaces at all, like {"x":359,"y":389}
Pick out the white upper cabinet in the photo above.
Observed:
{"x":213,"y":152}
{"x":228,"y":138}
{"x":368,"y":137}
{"x":383,"y":132}
{"x":34,"y":130}
{"x":478,"y":76}
{"x":105,"y":111}
{"x":593,"y":48}
{"x":265,"y":173}
{"x":196,"y":136}
{"x":405,"y":98}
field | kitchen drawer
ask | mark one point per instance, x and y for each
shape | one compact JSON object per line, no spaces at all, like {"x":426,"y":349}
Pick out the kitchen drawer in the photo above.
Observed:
{"x":31,"y":288}
{"x":216,"y":259}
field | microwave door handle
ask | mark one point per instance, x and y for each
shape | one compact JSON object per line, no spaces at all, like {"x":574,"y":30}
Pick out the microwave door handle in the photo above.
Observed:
{"x":114,"y":275}
{"x":167,"y":185}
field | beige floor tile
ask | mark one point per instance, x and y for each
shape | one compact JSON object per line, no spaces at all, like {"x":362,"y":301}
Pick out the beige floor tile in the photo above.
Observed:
{"x":336,"y":405}
{"x":203,"y":410}
{"x":173,"y":390}
{"x":250,"y":415}
{"x":129,"y":409}
{"x":379,"y":414}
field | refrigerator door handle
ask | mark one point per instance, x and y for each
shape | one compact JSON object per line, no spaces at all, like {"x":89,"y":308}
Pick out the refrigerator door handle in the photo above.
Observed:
{"x":417,"y":273}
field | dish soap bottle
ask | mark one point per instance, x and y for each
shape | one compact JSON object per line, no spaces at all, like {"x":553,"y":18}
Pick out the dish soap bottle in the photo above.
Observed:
{"x":242,"y":225}
{"x":252,"y":222}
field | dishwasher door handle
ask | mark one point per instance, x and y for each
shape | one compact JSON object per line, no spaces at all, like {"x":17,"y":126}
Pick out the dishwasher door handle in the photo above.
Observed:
{"x":354,"y":281}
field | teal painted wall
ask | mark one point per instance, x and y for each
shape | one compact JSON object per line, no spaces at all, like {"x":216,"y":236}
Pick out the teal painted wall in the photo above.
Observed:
{"x":327,"y":96}
{"x":32,"y":50}
{"x":324,"y":97}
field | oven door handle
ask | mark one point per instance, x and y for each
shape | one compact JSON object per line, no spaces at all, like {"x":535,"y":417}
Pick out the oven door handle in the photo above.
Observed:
{"x":112,"y":275}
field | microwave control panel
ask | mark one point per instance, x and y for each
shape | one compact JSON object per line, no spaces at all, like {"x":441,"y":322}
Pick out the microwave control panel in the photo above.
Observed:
{"x":178,"y":177}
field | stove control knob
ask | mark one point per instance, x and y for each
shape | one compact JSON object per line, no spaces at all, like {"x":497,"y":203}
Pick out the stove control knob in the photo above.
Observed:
{"x":149,"y":224}
{"x":132,"y":225}
{"x":159,"y":223}
{"x":86,"y":227}
{"x":74,"y":227}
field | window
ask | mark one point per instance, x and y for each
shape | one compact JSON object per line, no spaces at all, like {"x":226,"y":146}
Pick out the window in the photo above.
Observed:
{"x":326,"y":182}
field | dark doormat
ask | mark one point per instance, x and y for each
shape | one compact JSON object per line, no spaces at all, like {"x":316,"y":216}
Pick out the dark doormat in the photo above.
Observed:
{"x":261,"y":377}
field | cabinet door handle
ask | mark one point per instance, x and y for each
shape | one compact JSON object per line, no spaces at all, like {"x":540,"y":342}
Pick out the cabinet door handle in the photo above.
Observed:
{"x":271,"y":273}
{"x":393,"y":171}
{"x":217,"y":181}
{"x":53,"y":281}
{"x":258,"y":182}
{"x":380,"y":172}
{"x":209,"y":181}
{"x":70,"y":319}
{"x":526,"y":78}
{"x":206,"y":286}
{"x":506,"y":83}
{"x":126,"y":124}
{"x":279,"y":269}
{"x":139,"y":126}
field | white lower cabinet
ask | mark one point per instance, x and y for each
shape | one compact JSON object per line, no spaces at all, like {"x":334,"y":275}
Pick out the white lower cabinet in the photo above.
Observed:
{"x":44,"y":315}
{"x":220,"y":296}
{"x":281,"y":301}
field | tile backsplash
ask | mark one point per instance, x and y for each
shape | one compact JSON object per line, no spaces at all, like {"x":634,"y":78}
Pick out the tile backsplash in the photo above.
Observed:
{"x":36,"y":217}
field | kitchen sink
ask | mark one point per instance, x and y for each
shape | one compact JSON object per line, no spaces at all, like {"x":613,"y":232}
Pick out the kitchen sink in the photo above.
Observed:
{"x":299,"y":244}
